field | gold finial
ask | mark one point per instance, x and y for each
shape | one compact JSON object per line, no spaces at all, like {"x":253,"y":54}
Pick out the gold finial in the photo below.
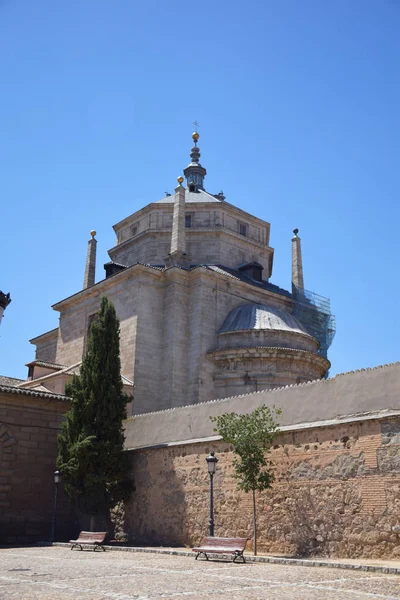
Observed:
{"x":93,"y":233}
{"x":180,"y":180}
{"x":195,"y":136}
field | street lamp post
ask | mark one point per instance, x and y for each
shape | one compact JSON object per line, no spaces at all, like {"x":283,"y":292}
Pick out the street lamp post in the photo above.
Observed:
{"x":57,"y":479}
{"x":211,"y":465}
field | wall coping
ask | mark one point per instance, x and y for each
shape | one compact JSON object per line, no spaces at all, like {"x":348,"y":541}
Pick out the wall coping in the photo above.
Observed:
{"x":359,"y":393}
{"x":355,"y":418}
{"x":314,"y":382}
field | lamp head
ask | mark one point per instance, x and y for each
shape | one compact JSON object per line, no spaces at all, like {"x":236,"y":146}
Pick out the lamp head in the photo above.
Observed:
{"x":57,"y":477}
{"x":211,"y":463}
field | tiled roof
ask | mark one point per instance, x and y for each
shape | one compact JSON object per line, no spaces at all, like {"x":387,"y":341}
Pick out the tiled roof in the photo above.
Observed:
{"x":47,"y":365}
{"x":4,"y":380}
{"x":111,"y":262}
{"x":71,"y":370}
{"x":233,"y":273}
{"x":239,"y":275}
{"x":32,"y":392}
{"x":192,"y":197}
{"x":156,"y":267}
{"x":40,"y":388}
{"x":68,"y":370}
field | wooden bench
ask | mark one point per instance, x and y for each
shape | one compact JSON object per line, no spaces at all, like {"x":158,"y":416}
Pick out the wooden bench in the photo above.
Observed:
{"x":90,"y":538}
{"x":217,"y":545}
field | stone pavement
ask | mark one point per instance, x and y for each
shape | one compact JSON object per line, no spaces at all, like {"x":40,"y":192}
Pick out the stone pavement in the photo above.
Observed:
{"x":49,"y":573}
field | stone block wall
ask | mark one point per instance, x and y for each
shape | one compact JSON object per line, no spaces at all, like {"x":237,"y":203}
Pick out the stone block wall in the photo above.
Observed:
{"x":143,"y":248}
{"x":29,"y":425}
{"x":212,"y":238}
{"x":169,"y":323}
{"x":337,"y":493}
{"x":46,"y":346}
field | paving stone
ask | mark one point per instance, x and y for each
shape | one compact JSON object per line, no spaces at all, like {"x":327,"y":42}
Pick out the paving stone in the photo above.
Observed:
{"x":49,"y":573}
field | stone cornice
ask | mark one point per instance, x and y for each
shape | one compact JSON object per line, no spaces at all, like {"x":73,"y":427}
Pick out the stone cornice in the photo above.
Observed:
{"x":244,"y":285}
{"x":155,"y":271}
{"x":247,"y":352}
{"x":217,"y":205}
{"x":104,"y":284}
{"x":44,"y":336}
{"x":46,"y":365}
{"x":378,"y":415}
{"x":190,"y":232}
{"x":237,"y":332}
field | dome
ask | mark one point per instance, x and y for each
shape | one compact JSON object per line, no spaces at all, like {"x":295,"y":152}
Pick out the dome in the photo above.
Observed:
{"x":265,"y":347}
{"x":261,"y":317}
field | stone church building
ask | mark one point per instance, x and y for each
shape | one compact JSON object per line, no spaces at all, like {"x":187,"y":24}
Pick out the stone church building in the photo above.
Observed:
{"x":204,"y":331}
{"x":190,"y":280}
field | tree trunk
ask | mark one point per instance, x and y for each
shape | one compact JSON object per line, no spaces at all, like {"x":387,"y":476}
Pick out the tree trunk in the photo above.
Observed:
{"x":255,"y":523}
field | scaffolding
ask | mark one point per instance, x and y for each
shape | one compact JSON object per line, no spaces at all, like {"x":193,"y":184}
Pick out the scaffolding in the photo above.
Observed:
{"x":314,"y":313}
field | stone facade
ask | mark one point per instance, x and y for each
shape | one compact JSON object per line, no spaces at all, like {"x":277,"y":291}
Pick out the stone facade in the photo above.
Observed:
{"x":337,"y":488}
{"x":179,"y":267}
{"x":212,"y":238}
{"x":29,"y":425}
{"x":337,"y":493}
{"x":203,"y":332}
{"x":169,"y":328}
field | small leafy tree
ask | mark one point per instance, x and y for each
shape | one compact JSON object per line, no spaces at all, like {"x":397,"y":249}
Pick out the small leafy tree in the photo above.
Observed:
{"x":91,"y":443}
{"x":250,"y":435}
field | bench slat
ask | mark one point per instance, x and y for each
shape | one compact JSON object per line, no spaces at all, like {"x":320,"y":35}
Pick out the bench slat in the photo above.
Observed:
{"x":90,"y":538}
{"x":210,"y":542}
{"x":213,"y":545}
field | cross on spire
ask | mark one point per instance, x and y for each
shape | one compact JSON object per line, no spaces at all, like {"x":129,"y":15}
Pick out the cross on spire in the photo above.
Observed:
{"x":196,"y":125}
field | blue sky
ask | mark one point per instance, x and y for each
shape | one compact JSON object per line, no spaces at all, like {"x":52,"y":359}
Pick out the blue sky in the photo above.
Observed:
{"x":299,"y":124}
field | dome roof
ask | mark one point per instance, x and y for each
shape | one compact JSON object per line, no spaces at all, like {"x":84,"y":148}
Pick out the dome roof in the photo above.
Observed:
{"x":261,"y":316}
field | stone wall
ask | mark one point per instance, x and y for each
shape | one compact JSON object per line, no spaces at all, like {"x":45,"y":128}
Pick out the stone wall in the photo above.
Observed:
{"x":46,"y":346}
{"x":29,"y":424}
{"x":169,"y":323}
{"x":337,"y":492}
{"x":213,"y":237}
{"x":356,"y":392}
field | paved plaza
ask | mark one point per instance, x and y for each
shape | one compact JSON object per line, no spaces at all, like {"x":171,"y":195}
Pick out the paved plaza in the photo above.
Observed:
{"x":53,"y":572}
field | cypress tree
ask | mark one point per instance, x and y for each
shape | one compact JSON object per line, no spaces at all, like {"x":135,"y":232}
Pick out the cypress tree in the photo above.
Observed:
{"x":91,"y":457}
